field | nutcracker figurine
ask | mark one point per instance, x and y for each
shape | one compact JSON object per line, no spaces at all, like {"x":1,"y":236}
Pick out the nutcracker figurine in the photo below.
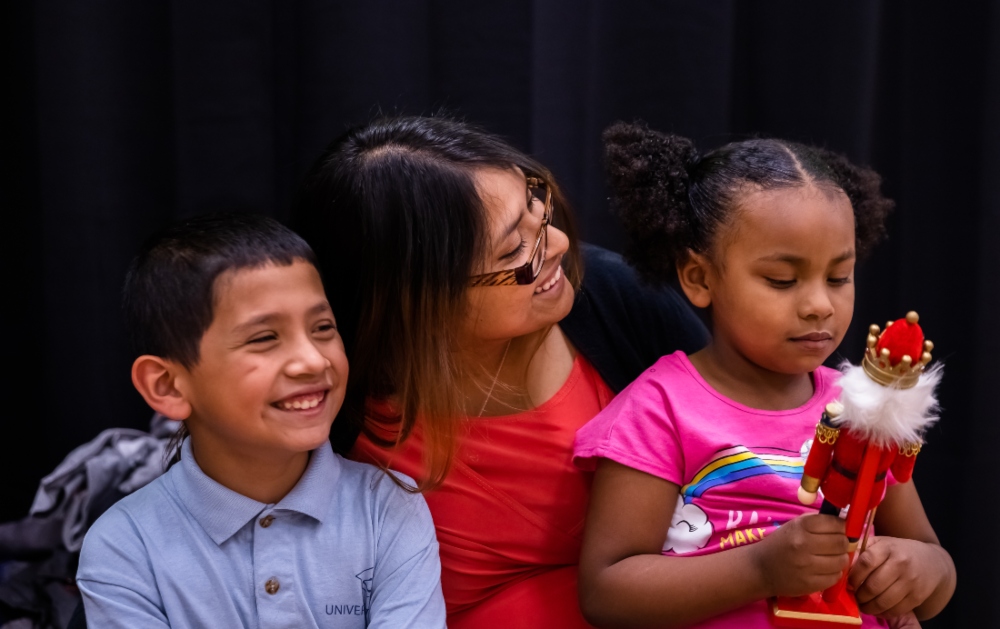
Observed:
{"x":876,"y":427}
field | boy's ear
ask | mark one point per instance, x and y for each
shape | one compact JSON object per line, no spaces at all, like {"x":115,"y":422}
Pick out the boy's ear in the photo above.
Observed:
{"x":156,"y":380}
{"x":693,"y":273}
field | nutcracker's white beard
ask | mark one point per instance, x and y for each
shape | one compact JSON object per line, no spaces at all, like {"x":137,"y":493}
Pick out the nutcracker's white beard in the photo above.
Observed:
{"x":887,"y":416}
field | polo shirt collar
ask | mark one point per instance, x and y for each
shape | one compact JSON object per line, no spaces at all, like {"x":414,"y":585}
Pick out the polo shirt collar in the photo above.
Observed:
{"x":222,"y":512}
{"x":313,"y":493}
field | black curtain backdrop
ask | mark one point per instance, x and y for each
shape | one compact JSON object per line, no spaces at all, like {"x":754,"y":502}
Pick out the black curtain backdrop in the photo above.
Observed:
{"x":123,"y":115}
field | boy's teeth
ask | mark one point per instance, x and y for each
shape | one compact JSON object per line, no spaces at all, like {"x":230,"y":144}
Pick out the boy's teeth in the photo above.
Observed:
{"x":300,"y":404}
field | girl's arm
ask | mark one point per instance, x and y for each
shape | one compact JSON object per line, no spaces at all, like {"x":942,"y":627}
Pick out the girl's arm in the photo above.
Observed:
{"x":625,"y":580}
{"x":908,"y":570}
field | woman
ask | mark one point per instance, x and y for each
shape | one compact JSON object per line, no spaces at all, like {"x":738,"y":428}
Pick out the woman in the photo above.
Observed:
{"x":475,"y":350}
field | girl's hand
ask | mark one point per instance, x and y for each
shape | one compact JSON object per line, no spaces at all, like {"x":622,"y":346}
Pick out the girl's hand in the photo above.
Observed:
{"x":894,"y":576}
{"x":907,"y":554}
{"x":808,"y":554}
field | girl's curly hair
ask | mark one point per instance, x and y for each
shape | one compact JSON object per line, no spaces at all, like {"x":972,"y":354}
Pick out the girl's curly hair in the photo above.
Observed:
{"x":670,"y":199}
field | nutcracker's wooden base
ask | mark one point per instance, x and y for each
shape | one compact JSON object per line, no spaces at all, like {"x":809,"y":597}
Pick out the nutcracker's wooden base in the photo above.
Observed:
{"x":807,"y":612}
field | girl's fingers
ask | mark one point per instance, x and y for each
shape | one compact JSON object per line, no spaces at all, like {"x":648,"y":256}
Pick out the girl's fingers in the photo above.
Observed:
{"x":869,"y":561}
{"x":875,"y":583}
{"x":828,"y":565}
{"x":823,"y":524}
{"x":893,"y":601}
{"x":834,"y":544}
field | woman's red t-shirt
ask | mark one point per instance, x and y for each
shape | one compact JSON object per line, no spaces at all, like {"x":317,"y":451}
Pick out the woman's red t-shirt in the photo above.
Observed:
{"x":510,"y":515}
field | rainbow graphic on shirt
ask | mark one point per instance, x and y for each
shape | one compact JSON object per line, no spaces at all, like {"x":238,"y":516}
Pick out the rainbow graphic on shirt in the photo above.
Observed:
{"x":739,"y":462}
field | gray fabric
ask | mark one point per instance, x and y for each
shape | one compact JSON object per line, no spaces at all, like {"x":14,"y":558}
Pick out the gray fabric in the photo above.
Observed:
{"x":29,"y":538}
{"x":117,"y":462}
{"x":39,"y":593}
{"x":38,"y":554}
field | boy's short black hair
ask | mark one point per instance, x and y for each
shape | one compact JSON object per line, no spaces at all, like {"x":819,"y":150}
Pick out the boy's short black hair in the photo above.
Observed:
{"x":169,"y":292}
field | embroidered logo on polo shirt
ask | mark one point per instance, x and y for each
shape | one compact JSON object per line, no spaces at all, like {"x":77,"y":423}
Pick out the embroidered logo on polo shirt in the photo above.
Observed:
{"x":353,"y":609}
{"x":366,"y":577}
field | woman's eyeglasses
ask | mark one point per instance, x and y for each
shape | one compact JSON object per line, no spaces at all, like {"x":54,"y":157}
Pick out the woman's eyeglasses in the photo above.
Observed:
{"x":528,"y":272}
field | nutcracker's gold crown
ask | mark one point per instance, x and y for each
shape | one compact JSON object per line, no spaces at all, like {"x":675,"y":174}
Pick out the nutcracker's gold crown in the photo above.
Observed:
{"x":906,"y":372}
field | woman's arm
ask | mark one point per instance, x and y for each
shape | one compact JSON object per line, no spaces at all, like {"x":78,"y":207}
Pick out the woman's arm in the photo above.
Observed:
{"x":625,"y":580}
{"x":905,"y":568}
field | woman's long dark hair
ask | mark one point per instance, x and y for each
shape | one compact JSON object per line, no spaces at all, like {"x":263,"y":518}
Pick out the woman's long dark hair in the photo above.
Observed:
{"x":392,"y":211}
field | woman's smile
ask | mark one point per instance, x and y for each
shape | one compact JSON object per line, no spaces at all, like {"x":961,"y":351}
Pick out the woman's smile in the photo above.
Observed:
{"x":554,"y":281}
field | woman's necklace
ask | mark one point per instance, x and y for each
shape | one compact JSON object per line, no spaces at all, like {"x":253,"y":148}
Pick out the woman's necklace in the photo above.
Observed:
{"x":493,"y":384}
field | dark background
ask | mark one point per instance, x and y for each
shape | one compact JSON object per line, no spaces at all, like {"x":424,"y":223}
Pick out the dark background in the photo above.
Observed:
{"x":122,"y":115}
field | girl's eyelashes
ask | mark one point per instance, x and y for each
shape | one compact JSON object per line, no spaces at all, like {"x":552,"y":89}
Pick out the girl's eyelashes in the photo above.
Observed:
{"x":833,"y":281}
{"x":776,"y":283}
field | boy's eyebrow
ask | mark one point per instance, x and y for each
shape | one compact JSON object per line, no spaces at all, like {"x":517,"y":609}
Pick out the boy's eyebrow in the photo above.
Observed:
{"x":270,"y":317}
{"x":258,"y":320}
{"x":321,"y":307}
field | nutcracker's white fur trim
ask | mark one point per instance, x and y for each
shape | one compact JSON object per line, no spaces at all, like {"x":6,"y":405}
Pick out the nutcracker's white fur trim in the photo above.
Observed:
{"x":887,"y":415}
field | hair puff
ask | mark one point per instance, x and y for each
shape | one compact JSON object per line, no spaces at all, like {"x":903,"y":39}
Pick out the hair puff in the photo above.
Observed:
{"x":863,"y":187}
{"x":648,"y":177}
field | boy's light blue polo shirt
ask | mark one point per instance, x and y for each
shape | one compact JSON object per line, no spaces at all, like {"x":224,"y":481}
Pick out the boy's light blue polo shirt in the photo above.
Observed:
{"x":345,"y":548}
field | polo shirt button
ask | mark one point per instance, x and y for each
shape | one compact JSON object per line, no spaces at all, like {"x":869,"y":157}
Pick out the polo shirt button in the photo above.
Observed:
{"x":272,"y":586}
{"x":266,"y":521}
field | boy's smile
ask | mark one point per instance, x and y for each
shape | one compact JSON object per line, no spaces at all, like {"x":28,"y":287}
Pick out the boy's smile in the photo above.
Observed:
{"x":301,"y":401}
{"x":271,"y":373}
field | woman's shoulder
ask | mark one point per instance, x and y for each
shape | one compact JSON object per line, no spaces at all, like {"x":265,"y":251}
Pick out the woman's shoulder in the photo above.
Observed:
{"x":668,"y":376}
{"x":607,"y":275}
{"x":622,"y":325}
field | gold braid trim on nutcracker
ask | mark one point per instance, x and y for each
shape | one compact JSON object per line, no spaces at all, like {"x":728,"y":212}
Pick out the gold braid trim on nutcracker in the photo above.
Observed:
{"x":827,"y":434}
{"x":910,"y":449}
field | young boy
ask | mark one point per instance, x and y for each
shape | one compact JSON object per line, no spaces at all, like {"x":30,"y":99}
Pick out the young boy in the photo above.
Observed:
{"x":259,"y":523}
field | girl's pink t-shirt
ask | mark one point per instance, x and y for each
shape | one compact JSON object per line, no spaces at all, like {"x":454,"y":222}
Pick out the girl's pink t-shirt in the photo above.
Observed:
{"x":738,"y":468}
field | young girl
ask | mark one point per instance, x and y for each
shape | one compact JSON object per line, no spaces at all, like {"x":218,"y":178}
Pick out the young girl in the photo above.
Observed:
{"x":693,"y":518}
